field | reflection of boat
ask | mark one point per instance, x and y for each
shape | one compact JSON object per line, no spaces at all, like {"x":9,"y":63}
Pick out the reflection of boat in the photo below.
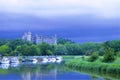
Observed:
{"x":14,"y":64}
{"x":4,"y":66}
{"x":14,"y":60}
{"x":33,"y":60}
{"x":5,"y":61}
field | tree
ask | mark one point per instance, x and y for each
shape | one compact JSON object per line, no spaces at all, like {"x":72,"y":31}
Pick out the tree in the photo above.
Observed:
{"x":49,"y":52}
{"x":109,"y":55}
{"x":14,"y":53}
{"x":14,"y":43}
{"x":46,"y":49}
{"x":73,"y":49}
{"x":3,"y":41}
{"x":4,"y":49}
{"x":89,"y":48}
{"x":31,"y":50}
{"x":60,"y":50}
{"x":64,"y":41}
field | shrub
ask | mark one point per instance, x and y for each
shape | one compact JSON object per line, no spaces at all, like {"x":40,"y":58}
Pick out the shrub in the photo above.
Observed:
{"x":109,"y":55}
{"x":93,"y":57}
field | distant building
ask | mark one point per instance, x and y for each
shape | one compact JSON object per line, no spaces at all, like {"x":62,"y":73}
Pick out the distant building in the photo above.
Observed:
{"x":38,"y":39}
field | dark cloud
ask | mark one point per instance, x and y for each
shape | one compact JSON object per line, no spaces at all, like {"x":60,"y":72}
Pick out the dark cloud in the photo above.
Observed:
{"x":79,"y":28}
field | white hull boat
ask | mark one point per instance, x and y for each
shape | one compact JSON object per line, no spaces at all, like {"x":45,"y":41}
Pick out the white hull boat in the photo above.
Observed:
{"x":58,"y":59}
{"x":45,"y":60}
{"x":53,"y":60}
{"x":5,"y":61}
{"x":14,"y":60}
{"x":33,"y":60}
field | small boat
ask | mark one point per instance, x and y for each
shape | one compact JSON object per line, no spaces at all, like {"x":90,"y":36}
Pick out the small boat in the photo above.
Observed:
{"x":14,"y":60}
{"x":45,"y":60}
{"x":24,"y":60}
{"x":5,"y":61}
{"x":53,"y":60}
{"x":33,"y":60}
{"x":58,"y":59}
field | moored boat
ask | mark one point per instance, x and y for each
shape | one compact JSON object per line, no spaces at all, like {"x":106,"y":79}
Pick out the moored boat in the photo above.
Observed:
{"x":33,"y":60}
{"x":14,"y":60}
{"x":58,"y":59}
{"x":45,"y":60}
{"x":5,"y":61}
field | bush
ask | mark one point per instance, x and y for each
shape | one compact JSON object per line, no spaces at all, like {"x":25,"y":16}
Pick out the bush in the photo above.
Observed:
{"x":109,"y":55}
{"x":93,"y":57}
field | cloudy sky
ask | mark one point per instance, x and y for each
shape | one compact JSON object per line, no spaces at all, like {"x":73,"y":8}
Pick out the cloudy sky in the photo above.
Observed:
{"x":79,"y":20}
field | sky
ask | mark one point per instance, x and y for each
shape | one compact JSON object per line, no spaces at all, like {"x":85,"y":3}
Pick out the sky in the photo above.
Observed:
{"x":78,"y":20}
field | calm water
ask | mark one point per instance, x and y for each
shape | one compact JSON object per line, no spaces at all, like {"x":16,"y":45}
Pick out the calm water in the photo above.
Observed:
{"x":28,"y":71}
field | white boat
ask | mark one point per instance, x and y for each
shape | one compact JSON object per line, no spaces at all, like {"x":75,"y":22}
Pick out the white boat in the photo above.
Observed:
{"x":5,"y":61}
{"x":14,"y":60}
{"x":53,"y":59}
{"x":24,"y":60}
{"x":58,"y":59}
{"x":45,"y":60}
{"x":33,"y":60}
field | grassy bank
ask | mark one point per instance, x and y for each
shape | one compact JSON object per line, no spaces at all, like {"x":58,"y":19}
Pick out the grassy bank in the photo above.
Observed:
{"x":97,"y":67}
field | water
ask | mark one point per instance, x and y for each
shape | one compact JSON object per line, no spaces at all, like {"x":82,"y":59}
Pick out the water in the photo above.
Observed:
{"x":28,"y":71}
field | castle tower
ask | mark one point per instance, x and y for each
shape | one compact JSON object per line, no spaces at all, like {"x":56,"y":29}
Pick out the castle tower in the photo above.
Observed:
{"x":55,"y":39}
{"x":29,"y":36}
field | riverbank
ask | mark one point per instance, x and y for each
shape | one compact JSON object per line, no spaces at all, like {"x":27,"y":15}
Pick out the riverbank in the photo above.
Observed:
{"x":94,"y":67}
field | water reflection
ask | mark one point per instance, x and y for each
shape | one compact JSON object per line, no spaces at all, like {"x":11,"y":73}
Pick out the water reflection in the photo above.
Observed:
{"x":14,"y":65}
{"x":4,"y":66}
{"x":42,"y":71}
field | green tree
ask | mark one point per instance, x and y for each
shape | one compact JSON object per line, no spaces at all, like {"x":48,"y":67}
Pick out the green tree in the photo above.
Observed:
{"x":109,"y":55}
{"x":31,"y":50}
{"x":73,"y":49}
{"x":60,"y":50}
{"x":4,"y":49}
{"x":49,"y":52}
{"x":64,"y":41}
{"x":89,"y":48}
{"x":14,"y":53}
{"x":115,"y":44}
{"x":46,"y":49}
{"x":14,"y":43}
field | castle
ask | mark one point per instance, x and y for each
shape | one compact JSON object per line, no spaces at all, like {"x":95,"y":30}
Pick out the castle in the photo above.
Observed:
{"x":39,"y":39}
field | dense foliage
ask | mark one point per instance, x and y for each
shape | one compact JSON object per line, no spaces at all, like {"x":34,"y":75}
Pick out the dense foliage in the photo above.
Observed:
{"x":94,"y":56}
{"x":108,"y":49}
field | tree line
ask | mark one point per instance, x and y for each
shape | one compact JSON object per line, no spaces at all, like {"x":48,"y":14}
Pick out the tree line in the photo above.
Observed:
{"x":64,"y":47}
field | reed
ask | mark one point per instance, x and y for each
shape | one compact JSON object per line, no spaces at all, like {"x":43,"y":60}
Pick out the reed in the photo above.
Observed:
{"x":100,"y":67}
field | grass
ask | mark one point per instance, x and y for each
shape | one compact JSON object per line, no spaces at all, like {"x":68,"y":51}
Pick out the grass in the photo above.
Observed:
{"x":110,"y":68}
{"x":117,"y":61}
{"x":80,"y":64}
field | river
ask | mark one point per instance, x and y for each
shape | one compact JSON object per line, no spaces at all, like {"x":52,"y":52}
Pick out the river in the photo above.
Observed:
{"x":51,"y":71}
